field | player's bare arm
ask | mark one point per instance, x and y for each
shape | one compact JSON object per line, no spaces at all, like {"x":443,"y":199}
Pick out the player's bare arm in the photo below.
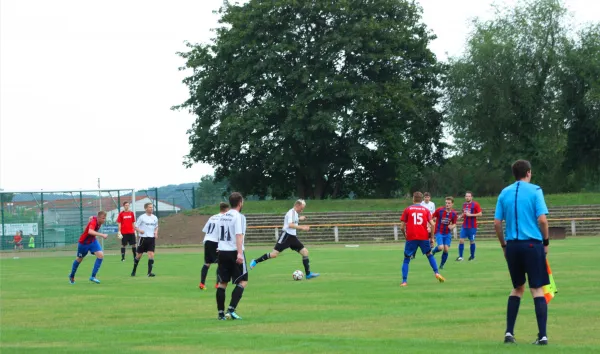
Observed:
{"x":239,"y":243}
{"x":302,"y":218}
{"x":92,"y":232}
{"x":500,"y":234}
{"x":543,"y":225}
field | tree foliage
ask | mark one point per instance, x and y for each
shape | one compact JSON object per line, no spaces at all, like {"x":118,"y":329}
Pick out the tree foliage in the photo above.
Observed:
{"x":315,"y":98}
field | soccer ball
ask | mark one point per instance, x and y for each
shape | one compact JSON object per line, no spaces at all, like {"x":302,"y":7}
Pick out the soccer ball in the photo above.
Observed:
{"x":298,"y":275}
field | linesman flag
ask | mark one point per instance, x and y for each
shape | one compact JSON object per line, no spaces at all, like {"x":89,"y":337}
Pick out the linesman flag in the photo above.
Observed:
{"x":550,"y":289}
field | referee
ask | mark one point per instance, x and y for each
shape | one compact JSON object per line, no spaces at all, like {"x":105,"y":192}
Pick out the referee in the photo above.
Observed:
{"x":521,"y":205}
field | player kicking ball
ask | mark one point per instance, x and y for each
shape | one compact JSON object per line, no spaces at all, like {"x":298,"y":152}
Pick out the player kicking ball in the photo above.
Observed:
{"x":147,"y":228}
{"x":414,"y":221}
{"x":445,"y":221}
{"x":289,"y":239}
{"x":89,"y":243}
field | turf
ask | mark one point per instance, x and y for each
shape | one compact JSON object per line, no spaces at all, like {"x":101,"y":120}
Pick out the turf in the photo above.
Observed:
{"x":276,"y":206}
{"x":356,"y":306}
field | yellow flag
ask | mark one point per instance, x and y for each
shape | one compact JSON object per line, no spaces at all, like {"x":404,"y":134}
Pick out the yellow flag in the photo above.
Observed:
{"x":550,"y":289}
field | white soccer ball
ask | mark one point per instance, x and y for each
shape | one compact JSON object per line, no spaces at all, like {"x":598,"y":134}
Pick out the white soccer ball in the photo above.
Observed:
{"x":298,"y":275}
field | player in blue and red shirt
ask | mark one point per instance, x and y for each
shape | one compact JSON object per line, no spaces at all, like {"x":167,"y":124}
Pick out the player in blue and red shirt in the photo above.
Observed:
{"x":89,"y":243}
{"x":471,"y":211}
{"x":414,"y":221}
{"x":445,"y":221}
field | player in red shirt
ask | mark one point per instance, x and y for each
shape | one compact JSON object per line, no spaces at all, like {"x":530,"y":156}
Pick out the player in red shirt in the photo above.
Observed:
{"x":414,"y":221}
{"x":471,"y":211}
{"x":125,"y":221}
{"x":89,"y":243}
{"x":18,"y":240}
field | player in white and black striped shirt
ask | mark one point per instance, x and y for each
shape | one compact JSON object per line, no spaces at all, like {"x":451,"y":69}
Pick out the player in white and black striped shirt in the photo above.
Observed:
{"x":232,"y":261}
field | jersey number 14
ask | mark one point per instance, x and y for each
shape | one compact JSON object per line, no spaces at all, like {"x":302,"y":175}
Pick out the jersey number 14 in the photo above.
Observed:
{"x":225,"y":236}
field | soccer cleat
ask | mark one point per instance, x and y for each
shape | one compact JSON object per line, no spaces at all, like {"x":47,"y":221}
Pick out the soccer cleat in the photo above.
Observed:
{"x":122,"y":259}
{"x":150,"y":275}
{"x":541,"y":341}
{"x":312,"y":275}
{"x":459,"y":259}
{"x":221,"y":317}
{"x":404,"y":284}
{"x":509,"y":339}
{"x":202,"y":286}
{"x":95,"y":280}
{"x":133,"y":274}
{"x":231,"y":315}
{"x":441,"y":267}
{"x":216,"y":285}
{"x":72,"y":280}
{"x":440,"y":278}
{"x":471,"y":258}
{"x":253,"y":263}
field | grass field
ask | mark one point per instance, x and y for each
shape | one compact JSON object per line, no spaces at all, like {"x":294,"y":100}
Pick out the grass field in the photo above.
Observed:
{"x":356,"y":306}
{"x":277,"y":206}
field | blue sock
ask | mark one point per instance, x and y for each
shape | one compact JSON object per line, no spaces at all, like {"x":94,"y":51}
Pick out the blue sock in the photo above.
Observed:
{"x":433,"y":263}
{"x":444,"y":258}
{"x":473,"y":250}
{"x":74,"y":268}
{"x":461,"y":249}
{"x":512,"y":309}
{"x":96,"y":267}
{"x":435,"y":250}
{"x":541,"y":313}
{"x":405,"y":269}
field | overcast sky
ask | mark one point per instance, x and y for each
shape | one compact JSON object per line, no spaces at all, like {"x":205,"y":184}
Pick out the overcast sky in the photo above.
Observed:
{"x":86,"y":86}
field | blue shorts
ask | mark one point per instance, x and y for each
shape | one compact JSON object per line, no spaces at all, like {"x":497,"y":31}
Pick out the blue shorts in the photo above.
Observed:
{"x":443,"y":239}
{"x":410,"y":247}
{"x":82,"y":250}
{"x":468,"y":233}
{"x":527,"y":258}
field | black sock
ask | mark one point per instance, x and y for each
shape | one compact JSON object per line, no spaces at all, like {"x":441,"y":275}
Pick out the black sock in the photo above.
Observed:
{"x":236,"y":296}
{"x":150,"y":264}
{"x":541,"y":313}
{"x":217,"y":274}
{"x":135,"y":264}
{"x":512,"y":309}
{"x":221,"y":300}
{"x":263,"y":258}
{"x":133,"y":251}
{"x":122,"y":252}
{"x":306,"y":265}
{"x":203,"y":274}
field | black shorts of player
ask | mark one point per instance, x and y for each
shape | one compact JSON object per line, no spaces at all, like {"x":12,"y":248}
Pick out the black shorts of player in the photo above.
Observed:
{"x":211,"y":255}
{"x":146,"y":244}
{"x":128,"y":239}
{"x":229,"y":270}
{"x":288,"y":241}
{"x":527,"y":258}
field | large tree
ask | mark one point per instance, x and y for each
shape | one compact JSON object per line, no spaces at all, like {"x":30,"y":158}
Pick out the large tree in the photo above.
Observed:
{"x":503,"y":92}
{"x":315,"y":98}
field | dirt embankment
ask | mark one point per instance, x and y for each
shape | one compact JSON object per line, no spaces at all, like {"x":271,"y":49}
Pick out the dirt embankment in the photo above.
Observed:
{"x":180,"y":229}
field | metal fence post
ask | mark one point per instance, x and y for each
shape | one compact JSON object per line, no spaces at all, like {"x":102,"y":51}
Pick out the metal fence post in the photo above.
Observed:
{"x":43,"y":225}
{"x":573,"y":231}
{"x":454,"y":233}
{"x":395,"y":232}
{"x":276,"y":234}
{"x":336,"y":234}
{"x":2,"y":212}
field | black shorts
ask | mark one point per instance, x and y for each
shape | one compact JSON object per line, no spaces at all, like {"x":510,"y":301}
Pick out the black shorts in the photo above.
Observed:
{"x":128,"y":239}
{"x":229,"y":270}
{"x":288,"y":241}
{"x":211,"y":255}
{"x":146,"y":244}
{"x":527,"y":258}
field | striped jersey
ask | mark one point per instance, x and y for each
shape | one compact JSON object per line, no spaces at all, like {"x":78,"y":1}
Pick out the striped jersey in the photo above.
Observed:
{"x":210,"y":229}
{"x":231,"y":224}
{"x":470,"y":222}
{"x":443,"y":219}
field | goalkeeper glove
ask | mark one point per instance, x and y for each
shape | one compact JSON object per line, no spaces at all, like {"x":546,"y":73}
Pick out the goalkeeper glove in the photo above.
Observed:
{"x":120,"y":236}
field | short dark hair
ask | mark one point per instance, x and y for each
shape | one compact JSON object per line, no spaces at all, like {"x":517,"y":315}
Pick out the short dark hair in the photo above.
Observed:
{"x":520,"y":169}
{"x":469,"y":192}
{"x":223,"y":206}
{"x":426,"y":194}
{"x":125,"y":203}
{"x":235,"y":199}
{"x":417,"y":197}
{"x":450,"y":199}
{"x":100,"y":213}
{"x":147,"y":205}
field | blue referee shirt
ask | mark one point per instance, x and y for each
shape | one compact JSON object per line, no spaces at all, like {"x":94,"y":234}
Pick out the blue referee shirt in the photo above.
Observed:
{"x":520,"y":205}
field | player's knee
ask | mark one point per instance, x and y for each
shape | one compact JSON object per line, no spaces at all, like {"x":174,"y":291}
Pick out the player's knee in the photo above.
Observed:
{"x":274,"y":254}
{"x":242,"y":284}
{"x":207,"y":265}
{"x":304,"y":252}
{"x":79,"y":259}
{"x":407,"y":258}
{"x":518,"y":291}
{"x":99,"y":255}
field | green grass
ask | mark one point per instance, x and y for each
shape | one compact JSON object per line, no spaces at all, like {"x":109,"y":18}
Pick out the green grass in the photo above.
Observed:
{"x":356,"y":306}
{"x":280,"y":206}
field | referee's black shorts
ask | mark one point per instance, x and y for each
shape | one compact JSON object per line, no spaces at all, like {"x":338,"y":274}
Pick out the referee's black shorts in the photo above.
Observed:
{"x":527,"y":258}
{"x":288,"y":241}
